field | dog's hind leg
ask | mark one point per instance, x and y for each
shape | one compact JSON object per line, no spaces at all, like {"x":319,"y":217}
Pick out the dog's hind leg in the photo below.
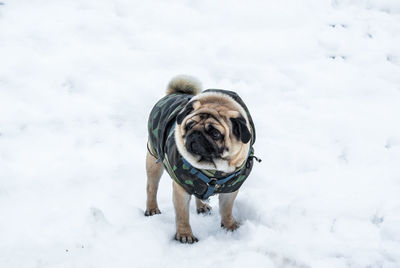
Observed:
{"x":202,"y":208}
{"x":154,"y":171}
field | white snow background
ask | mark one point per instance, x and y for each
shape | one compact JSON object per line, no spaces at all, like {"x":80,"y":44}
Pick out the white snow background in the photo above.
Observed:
{"x":321,"y":79}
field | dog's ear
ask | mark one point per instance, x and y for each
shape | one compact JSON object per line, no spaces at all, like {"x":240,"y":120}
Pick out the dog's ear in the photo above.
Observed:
{"x":185,"y":111}
{"x":240,"y":130}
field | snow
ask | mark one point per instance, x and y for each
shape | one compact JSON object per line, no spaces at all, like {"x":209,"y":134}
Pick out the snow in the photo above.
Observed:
{"x":321,"y":79}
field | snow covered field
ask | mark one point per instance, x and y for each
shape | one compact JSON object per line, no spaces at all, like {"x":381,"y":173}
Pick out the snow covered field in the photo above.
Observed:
{"x":79,"y":77}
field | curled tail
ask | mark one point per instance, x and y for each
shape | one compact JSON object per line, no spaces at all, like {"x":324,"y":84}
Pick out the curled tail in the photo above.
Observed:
{"x":184,"y":84}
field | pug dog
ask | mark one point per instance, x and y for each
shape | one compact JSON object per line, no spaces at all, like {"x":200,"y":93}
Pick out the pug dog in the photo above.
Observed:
{"x":205,"y":143}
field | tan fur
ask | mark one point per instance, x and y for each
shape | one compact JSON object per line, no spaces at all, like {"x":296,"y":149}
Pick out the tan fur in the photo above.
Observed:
{"x":154,"y":171}
{"x":222,"y":108}
{"x":202,"y":207}
{"x":181,"y":203}
{"x":184,"y":84}
{"x":225,"y":208}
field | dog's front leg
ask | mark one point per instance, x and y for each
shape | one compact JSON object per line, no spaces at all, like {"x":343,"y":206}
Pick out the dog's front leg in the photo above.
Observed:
{"x":225,"y":208}
{"x":181,"y":203}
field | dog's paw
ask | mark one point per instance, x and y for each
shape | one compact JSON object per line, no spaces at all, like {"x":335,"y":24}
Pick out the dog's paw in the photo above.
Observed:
{"x":186,"y":238}
{"x":204,"y":209}
{"x":232,"y":226}
{"x":151,"y":212}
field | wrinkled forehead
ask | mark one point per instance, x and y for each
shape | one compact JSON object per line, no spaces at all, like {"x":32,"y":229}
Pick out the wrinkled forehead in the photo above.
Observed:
{"x":223,"y":103}
{"x":206,"y":120}
{"x":216,"y":110}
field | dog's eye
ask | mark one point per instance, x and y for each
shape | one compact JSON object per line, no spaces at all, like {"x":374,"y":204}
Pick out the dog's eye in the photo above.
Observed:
{"x":189,"y":126}
{"x":215,"y":134}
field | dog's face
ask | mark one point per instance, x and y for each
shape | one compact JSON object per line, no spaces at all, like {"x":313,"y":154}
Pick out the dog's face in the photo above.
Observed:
{"x":212,"y":132}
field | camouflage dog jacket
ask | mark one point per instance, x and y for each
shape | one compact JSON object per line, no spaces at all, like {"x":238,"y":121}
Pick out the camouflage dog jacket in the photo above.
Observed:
{"x":200,"y":182}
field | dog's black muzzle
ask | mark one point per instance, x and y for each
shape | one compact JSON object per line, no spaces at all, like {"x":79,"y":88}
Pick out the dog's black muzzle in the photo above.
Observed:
{"x":196,"y":143}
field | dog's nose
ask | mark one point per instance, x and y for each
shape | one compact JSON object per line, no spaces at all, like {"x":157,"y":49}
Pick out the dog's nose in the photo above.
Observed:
{"x":194,"y":147}
{"x":196,"y":143}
